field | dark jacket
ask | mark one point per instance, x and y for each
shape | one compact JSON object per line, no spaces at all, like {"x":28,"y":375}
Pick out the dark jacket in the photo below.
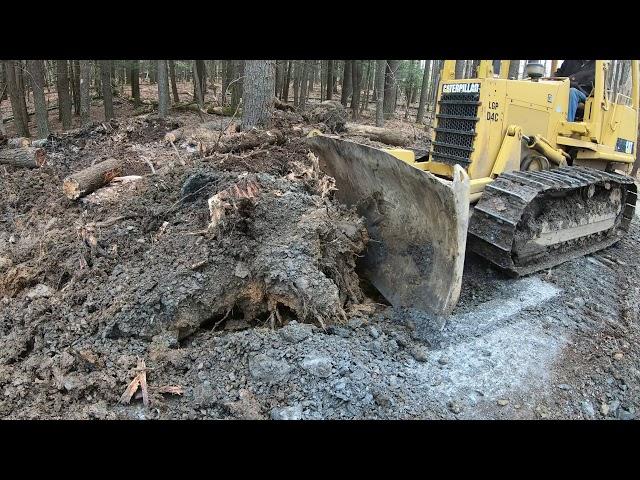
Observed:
{"x":581,"y":73}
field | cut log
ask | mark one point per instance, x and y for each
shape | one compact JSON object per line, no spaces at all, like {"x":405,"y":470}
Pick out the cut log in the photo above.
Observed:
{"x":382,"y":135}
{"x":224,"y":111}
{"x":41,"y":142}
{"x":28,"y":157}
{"x":18,"y":142}
{"x":174,"y":136}
{"x":90,"y":179}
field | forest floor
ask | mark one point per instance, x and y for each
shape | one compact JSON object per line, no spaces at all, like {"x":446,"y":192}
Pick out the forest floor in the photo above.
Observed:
{"x":263,"y":314}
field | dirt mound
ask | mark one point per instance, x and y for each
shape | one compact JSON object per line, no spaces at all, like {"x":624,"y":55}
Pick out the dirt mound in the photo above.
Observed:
{"x":222,"y":242}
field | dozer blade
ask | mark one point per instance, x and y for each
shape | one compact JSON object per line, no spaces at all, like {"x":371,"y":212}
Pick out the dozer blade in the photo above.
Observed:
{"x":417,"y":223}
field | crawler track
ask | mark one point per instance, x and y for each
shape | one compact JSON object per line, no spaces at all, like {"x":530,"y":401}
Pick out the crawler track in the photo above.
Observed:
{"x":529,"y":221}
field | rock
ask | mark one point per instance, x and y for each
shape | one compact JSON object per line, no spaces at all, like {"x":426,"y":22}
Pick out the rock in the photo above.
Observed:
{"x":265,"y":369}
{"x":373,"y":331}
{"x":564,"y":386}
{"x":5,"y":264}
{"x":341,"y":332}
{"x":40,"y":291}
{"x":624,"y":414}
{"x":293,"y":412}
{"x":604,"y":409}
{"x":317,"y":365}
{"x":420,"y":353}
{"x":503,"y":402}
{"x":618,"y":356}
{"x":241,"y":270}
{"x":587,"y":409}
{"x":454,"y":407}
{"x":443,"y":360}
{"x":296,"y":332}
{"x":613,"y":407}
{"x":246,"y":407}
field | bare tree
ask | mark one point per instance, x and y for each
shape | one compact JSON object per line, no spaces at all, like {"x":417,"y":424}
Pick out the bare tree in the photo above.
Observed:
{"x":304,"y":83}
{"x":346,"y":82}
{"x":20,"y":119}
{"x":390,"y":90}
{"x":356,"y":78}
{"x":259,"y":89}
{"x":64,"y":97}
{"x":74,"y":67}
{"x":85,"y":91}
{"x":163,"y":89}
{"x":424,"y":90}
{"x":172,"y":77}
{"x":329,"y":84}
{"x":107,"y":94}
{"x":135,"y":81}
{"x":381,"y":67}
{"x":287,"y":80}
{"x":36,"y":71}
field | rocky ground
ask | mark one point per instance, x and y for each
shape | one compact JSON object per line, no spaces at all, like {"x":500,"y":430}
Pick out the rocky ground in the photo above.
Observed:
{"x":261,"y":315}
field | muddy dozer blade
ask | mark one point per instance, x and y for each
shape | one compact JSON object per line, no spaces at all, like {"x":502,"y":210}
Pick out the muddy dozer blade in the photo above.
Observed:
{"x":417,"y":222}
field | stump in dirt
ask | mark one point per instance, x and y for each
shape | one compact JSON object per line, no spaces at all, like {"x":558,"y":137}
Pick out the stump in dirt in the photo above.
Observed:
{"x":378,"y":134}
{"x":90,"y":179}
{"x":27,"y":157}
{"x":330,"y":113}
{"x":174,"y":136}
{"x":18,"y":142}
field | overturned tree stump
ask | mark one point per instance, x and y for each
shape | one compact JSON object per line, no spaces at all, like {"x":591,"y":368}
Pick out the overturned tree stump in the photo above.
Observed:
{"x":23,"y":157}
{"x":382,"y":135}
{"x":90,"y":179}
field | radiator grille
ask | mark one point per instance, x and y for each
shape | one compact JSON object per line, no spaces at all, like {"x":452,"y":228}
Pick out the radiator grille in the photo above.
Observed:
{"x":456,"y":128}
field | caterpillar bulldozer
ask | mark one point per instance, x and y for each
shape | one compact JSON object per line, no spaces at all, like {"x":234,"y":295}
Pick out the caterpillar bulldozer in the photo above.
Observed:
{"x":507,"y":177}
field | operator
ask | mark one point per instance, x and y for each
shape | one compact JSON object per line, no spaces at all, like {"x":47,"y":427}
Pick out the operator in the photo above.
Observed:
{"x":582,"y":75}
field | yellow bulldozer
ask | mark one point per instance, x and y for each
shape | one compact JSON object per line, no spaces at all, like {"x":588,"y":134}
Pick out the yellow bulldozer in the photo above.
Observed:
{"x":507,"y":176}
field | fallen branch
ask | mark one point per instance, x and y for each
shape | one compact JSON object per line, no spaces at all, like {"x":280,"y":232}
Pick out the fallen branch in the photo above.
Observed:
{"x":90,"y":179}
{"x":28,"y":157}
{"x":140,"y":380}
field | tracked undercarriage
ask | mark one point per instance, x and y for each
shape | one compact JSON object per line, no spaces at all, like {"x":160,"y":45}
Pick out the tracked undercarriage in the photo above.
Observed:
{"x":529,"y":221}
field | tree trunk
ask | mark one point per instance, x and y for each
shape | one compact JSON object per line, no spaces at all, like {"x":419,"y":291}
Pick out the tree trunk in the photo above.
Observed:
{"x":459,"y":71}
{"x":75,"y":85}
{"x":85,"y":91}
{"x":259,"y":89}
{"x":237,"y":86}
{"x":90,"y":179}
{"x":107,"y":94}
{"x":172,"y":77}
{"x":28,"y":157}
{"x":135,"y":82}
{"x":390,"y":90}
{"x":21,"y":88}
{"x":163,"y":89}
{"x":381,"y":68}
{"x":296,"y":82}
{"x":304,"y":83}
{"x":21,"y":121}
{"x":287,"y":81}
{"x":202,"y":74}
{"x":424,"y":91}
{"x":198,"y":96}
{"x":329,"y":85}
{"x":367,"y":87}
{"x":346,"y":82}
{"x":356,"y":78}
{"x":36,"y":69}
{"x":514,"y":69}
{"x":279,"y":72}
